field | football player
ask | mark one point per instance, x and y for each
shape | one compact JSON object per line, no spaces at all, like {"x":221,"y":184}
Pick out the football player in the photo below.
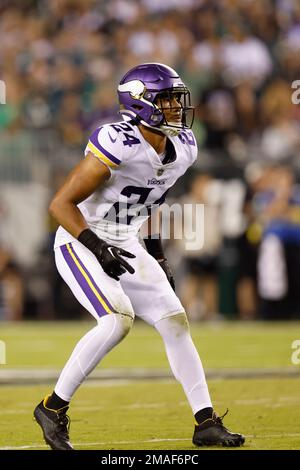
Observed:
{"x":125,"y":175}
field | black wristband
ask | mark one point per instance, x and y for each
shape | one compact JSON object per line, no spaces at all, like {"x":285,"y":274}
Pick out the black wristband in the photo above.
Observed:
{"x":154,"y":247}
{"x":89,"y":239}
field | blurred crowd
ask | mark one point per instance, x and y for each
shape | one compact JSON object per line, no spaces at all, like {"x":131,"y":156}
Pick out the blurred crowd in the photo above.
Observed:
{"x":61,"y":61}
{"x":249,"y":266}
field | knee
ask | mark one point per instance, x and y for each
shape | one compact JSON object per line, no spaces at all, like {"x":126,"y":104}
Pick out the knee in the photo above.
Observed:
{"x":123,"y":324}
{"x":114,"y":326}
{"x":127,"y":323}
{"x":175,"y":326}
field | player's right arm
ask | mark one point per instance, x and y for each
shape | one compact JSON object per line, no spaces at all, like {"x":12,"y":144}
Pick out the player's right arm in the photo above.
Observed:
{"x":82,"y":181}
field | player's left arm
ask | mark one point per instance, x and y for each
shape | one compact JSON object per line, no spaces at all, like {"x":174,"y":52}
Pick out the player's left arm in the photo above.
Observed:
{"x":153,"y":244}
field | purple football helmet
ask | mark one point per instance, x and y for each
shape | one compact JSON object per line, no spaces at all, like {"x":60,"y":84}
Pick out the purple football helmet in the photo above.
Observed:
{"x":141,"y":90}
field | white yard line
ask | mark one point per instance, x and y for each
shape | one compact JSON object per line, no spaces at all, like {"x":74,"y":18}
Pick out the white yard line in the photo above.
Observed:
{"x":107,"y":377}
{"x":266,"y":402}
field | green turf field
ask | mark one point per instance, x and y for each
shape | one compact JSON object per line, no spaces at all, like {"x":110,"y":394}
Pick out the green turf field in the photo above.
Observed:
{"x":224,"y":344}
{"x":154,"y":414}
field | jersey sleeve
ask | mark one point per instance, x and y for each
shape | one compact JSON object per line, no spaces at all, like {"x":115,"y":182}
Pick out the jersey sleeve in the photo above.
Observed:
{"x":105,"y":144}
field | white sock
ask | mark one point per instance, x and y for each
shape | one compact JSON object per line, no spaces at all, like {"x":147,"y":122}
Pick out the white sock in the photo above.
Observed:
{"x":89,"y":351}
{"x":184,"y":360}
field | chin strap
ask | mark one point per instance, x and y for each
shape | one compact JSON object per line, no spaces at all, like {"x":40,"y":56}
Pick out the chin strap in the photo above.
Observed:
{"x":169,"y":131}
{"x":164,"y":129}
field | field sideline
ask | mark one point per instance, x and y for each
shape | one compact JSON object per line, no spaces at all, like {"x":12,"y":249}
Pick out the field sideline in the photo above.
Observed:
{"x":153,"y":414}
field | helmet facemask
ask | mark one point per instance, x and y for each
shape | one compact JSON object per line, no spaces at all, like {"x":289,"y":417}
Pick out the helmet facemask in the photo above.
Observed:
{"x":178,"y":117}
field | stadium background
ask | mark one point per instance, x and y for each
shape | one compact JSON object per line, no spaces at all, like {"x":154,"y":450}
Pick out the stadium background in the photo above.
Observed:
{"x":61,"y":61}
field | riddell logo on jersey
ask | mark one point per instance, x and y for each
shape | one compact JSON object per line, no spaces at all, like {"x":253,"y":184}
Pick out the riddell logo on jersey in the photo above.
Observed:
{"x":155,"y":181}
{"x":2,"y":92}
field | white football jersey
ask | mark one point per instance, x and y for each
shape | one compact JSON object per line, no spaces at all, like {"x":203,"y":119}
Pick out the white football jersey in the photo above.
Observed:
{"x":138,"y":183}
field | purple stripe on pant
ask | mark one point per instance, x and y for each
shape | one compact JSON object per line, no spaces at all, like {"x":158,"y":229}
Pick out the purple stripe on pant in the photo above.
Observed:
{"x":83,"y":282}
{"x":91,"y":278}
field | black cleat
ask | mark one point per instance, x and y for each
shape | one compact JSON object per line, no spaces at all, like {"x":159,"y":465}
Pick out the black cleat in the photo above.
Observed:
{"x":55,"y":425}
{"x":212,"y":433}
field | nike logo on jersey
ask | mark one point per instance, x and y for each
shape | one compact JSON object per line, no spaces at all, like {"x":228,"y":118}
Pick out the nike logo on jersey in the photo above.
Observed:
{"x":113,"y":140}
